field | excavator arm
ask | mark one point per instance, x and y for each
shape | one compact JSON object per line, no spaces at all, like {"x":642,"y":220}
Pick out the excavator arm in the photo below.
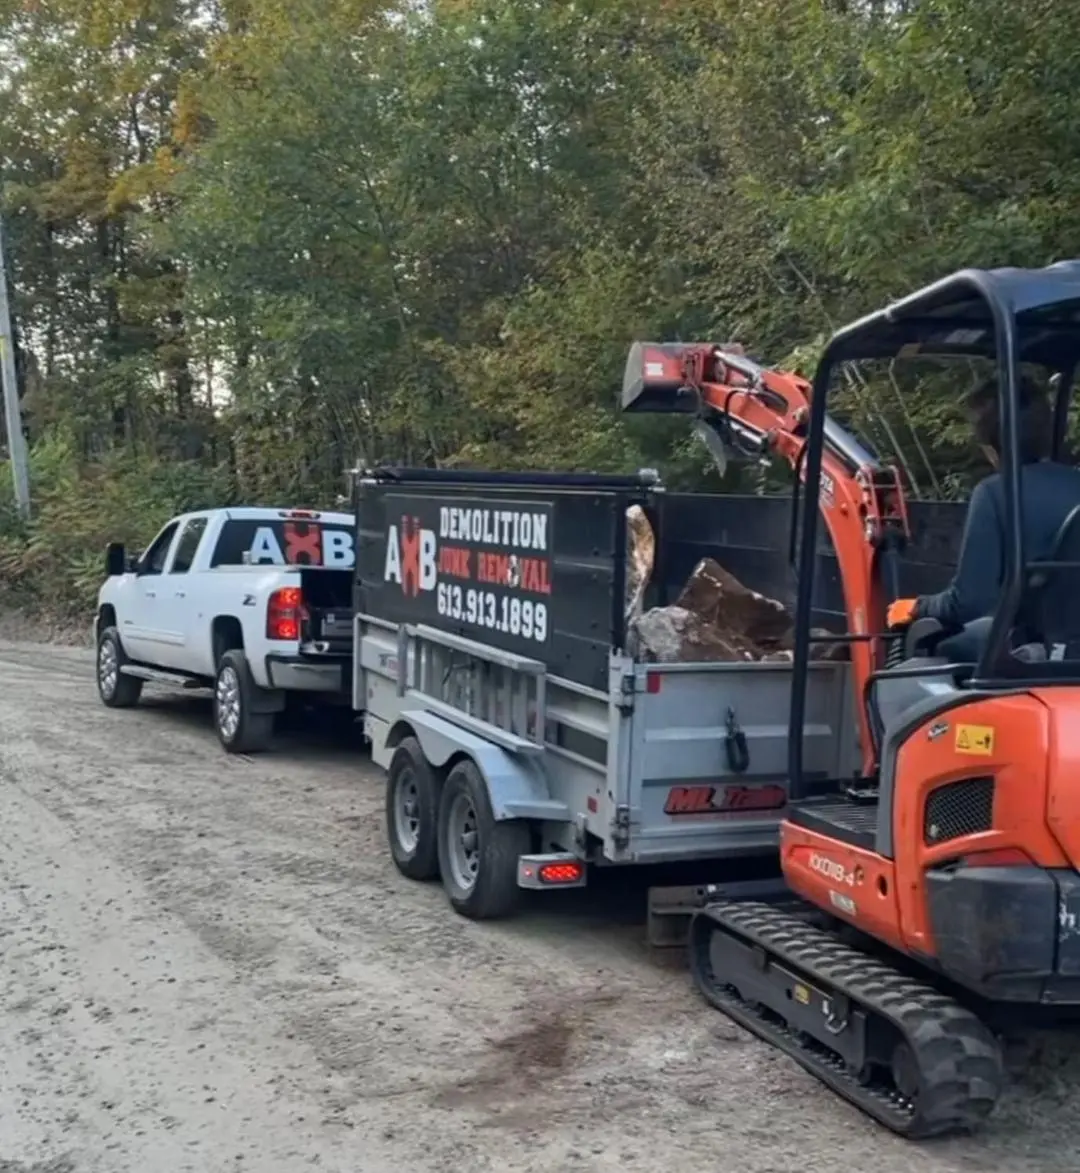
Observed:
{"x":747,"y":411}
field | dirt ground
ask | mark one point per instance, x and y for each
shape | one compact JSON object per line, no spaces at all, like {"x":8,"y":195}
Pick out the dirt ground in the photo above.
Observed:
{"x":210,"y":964}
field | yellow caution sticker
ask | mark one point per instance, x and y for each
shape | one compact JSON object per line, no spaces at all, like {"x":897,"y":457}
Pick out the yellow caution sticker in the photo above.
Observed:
{"x":802,"y":994}
{"x":975,"y":739}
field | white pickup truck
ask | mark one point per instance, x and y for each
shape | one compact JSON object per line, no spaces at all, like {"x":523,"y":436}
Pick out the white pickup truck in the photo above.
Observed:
{"x":253,"y":603}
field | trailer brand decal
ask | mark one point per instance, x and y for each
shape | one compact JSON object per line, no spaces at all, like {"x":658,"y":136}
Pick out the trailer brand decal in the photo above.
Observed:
{"x":732,"y":800}
{"x":484,"y":565}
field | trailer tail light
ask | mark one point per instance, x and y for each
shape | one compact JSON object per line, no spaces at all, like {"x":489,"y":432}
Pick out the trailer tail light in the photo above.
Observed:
{"x":285,"y":611}
{"x":561,"y":873}
{"x":557,"y":870}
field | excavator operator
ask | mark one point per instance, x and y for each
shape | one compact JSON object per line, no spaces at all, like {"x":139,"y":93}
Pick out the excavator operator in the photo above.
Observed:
{"x":1049,"y":492}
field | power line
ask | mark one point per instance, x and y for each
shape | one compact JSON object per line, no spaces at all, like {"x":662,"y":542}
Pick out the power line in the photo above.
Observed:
{"x":12,"y":411}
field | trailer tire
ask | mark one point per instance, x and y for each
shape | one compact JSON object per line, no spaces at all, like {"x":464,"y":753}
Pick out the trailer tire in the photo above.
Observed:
{"x":238,"y":728}
{"x":412,"y":812}
{"x":116,"y":690}
{"x":478,"y":855}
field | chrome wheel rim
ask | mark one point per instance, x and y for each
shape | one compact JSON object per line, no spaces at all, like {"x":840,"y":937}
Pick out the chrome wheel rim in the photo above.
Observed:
{"x":108,"y":668}
{"x":227,"y":699}
{"x":407,"y":811}
{"x":463,"y":843}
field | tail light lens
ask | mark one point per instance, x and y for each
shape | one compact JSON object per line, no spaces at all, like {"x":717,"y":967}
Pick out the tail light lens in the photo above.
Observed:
{"x":561,"y":873}
{"x":285,"y":611}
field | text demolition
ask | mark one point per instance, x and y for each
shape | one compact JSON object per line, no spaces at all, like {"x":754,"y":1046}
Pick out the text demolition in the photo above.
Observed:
{"x":511,"y":528}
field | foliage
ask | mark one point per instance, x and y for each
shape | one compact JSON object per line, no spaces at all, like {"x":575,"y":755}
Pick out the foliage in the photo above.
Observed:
{"x":54,"y":563}
{"x":253,"y":245}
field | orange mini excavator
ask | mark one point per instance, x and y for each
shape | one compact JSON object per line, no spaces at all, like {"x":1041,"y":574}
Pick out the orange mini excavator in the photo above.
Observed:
{"x":933,"y":895}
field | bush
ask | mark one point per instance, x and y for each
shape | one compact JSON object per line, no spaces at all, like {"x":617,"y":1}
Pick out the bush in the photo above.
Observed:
{"x":53,"y":564}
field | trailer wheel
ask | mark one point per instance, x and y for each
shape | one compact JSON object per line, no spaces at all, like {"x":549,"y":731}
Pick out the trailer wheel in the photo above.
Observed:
{"x":478,"y":856}
{"x":412,"y":812}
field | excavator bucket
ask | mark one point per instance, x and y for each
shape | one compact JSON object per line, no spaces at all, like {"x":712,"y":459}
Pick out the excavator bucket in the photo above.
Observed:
{"x":665,"y":377}
{"x":655,"y":378}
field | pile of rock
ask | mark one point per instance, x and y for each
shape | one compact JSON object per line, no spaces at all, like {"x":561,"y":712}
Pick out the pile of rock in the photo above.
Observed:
{"x":715,"y":617}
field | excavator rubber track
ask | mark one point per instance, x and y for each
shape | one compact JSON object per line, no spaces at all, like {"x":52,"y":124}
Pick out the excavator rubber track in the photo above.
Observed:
{"x":815,"y":998}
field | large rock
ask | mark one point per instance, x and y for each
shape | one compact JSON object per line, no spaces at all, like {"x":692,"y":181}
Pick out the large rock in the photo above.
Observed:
{"x":673,"y":635}
{"x":640,"y":558}
{"x":739,"y":614}
{"x":718,"y":618}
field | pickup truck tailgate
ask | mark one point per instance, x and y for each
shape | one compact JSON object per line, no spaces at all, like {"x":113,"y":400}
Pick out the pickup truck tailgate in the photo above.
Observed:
{"x":328,"y":599}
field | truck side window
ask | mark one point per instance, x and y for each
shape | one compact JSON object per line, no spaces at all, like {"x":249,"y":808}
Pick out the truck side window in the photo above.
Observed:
{"x":188,"y":545}
{"x":153,"y":561}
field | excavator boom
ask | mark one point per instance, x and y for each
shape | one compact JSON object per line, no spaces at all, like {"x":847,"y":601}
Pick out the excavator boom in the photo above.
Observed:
{"x":747,"y":411}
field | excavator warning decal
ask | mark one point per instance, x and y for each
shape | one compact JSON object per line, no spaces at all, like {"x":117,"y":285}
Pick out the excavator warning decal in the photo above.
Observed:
{"x":975,"y":739}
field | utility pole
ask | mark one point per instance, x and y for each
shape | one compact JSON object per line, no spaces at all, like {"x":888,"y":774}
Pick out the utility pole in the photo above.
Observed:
{"x":12,"y":412}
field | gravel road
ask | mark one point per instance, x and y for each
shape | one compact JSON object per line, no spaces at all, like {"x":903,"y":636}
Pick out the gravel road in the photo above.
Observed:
{"x":209,"y":964}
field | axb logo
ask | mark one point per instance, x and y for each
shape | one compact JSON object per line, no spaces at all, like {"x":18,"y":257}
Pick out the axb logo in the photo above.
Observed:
{"x":410,"y":557}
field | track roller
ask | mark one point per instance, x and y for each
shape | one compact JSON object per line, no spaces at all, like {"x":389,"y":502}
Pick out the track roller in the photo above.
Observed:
{"x":912,"y":1058}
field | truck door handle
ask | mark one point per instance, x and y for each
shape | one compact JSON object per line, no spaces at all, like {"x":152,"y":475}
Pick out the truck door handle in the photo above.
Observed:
{"x":151,"y":594}
{"x":181,"y":595}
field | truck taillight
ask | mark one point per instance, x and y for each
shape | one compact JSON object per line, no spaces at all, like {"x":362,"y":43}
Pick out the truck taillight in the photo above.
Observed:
{"x":285,"y":611}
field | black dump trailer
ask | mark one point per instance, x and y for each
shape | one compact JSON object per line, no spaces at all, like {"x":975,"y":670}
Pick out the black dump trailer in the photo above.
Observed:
{"x":523,"y":743}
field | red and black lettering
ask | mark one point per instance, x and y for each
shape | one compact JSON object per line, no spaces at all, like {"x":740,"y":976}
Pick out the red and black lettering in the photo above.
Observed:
{"x":410,"y":555}
{"x":302,"y":541}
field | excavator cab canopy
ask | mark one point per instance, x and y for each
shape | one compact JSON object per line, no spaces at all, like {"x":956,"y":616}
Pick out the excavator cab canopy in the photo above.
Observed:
{"x":1011,"y":317}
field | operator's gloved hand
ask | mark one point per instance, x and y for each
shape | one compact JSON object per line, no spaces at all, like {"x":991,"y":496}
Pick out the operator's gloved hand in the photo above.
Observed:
{"x":900,"y":613}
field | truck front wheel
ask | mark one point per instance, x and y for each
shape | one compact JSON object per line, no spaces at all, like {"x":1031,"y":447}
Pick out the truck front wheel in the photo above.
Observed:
{"x":412,"y":812}
{"x":478,"y":855}
{"x":115,"y":689}
{"x":238,"y":728}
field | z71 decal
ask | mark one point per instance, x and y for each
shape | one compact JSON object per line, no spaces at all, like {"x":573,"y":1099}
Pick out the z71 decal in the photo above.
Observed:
{"x":724,"y":800}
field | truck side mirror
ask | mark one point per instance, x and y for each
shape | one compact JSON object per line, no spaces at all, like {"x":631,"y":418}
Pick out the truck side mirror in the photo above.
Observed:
{"x":115,"y":559}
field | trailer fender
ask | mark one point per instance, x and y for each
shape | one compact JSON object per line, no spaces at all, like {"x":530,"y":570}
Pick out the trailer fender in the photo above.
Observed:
{"x":516,"y":786}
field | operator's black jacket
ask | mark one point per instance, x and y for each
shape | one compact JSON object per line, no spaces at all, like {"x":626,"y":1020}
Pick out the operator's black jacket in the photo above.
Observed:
{"x":1049,"y":491}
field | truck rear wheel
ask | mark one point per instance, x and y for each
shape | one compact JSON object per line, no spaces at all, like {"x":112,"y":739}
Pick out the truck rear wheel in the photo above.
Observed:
{"x":238,"y":728}
{"x":412,"y":812}
{"x":478,"y":855}
{"x":115,"y":689}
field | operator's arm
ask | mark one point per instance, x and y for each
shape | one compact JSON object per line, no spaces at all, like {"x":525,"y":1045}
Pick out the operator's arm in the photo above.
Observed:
{"x":974,"y":591}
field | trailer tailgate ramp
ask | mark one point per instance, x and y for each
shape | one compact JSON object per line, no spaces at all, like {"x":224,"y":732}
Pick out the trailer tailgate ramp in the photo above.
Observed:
{"x":708,"y":755}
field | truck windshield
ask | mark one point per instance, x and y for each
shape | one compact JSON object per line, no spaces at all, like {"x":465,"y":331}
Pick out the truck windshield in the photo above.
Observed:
{"x":284,"y":542}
